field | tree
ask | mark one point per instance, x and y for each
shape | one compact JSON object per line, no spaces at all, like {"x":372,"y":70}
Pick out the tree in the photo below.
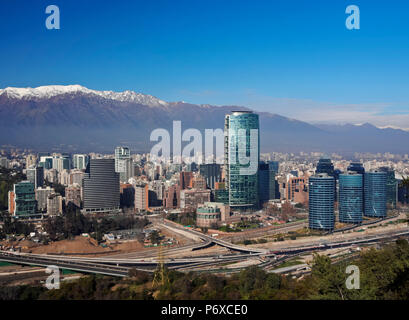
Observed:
{"x":204,"y":229}
{"x":155,"y":237}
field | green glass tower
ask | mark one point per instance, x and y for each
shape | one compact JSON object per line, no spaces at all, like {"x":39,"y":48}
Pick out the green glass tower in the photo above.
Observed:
{"x":25,"y":202}
{"x":242,"y":156}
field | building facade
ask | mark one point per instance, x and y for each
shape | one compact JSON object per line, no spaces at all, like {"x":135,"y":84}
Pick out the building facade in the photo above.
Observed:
{"x":101,"y":186}
{"x":211,"y":172}
{"x":207,"y":217}
{"x":54,"y":204}
{"x":321,"y":202}
{"x":24,"y":202}
{"x":41,"y":197}
{"x":375,"y":194}
{"x":36,"y":176}
{"x":80,"y":161}
{"x":391,"y":187}
{"x":241,"y":141}
{"x":73,"y":195}
{"x":266,"y":182}
{"x":123,"y":163}
{"x":351,"y":198}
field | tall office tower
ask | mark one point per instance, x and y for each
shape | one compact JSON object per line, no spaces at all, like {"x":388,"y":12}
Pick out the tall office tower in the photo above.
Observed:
{"x":123,"y":163}
{"x":185,"y":179}
{"x":211,"y":172}
{"x":351,"y":197}
{"x":80,"y":161}
{"x":325,"y":166}
{"x":42,"y":196}
{"x":101,"y":186}
{"x":375,"y":194}
{"x":36,"y":176}
{"x":23,"y":200}
{"x":391,"y":186}
{"x":321,"y":202}
{"x":356,"y":167}
{"x":274,"y":165}
{"x":266,"y":182}
{"x":31,"y":160}
{"x":242,"y":156}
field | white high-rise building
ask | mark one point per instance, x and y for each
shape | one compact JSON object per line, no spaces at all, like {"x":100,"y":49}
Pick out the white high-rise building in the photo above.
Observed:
{"x":123,"y":163}
{"x":80,"y":161}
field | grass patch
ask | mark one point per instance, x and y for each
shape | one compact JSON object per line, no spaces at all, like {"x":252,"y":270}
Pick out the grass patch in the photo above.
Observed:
{"x":289,"y":263}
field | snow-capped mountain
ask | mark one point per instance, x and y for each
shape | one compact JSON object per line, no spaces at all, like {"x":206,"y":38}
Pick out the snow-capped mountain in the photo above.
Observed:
{"x":75,"y":118}
{"x":47,"y":92}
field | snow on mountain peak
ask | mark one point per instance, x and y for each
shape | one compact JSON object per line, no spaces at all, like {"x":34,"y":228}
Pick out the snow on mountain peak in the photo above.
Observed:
{"x":46,"y":92}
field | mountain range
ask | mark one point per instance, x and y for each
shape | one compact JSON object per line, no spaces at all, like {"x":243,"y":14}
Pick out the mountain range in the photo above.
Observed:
{"x":76,"y":119}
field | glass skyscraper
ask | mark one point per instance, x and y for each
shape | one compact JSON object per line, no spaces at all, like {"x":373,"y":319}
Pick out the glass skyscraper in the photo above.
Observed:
{"x":266,"y":182}
{"x":391,"y":186}
{"x":321,"y":202}
{"x":375,"y":194}
{"x":242,"y":143}
{"x":211,"y":172}
{"x":356,"y":167}
{"x":350,"y":197}
{"x":25,"y":204}
{"x":101,"y":186}
{"x":325,"y":166}
{"x":274,"y":165}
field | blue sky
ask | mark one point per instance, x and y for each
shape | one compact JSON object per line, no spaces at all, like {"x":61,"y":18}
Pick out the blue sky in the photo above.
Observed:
{"x":295,"y":58}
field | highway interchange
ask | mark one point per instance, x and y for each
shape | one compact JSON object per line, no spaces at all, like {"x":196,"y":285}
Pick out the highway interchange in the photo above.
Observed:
{"x":120,"y":264}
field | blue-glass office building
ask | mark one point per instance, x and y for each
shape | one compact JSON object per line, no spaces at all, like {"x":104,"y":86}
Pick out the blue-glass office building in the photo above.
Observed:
{"x":356,"y":167}
{"x":242,"y":140}
{"x":391,"y":186}
{"x":266,"y":182}
{"x":321,"y":202}
{"x":325,"y":166}
{"x":375,"y":194}
{"x":350,"y":197}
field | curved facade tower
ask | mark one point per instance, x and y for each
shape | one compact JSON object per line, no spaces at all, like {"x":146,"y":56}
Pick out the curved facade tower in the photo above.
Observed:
{"x":350,"y":198}
{"x":321,"y":202}
{"x":241,"y":156}
{"x":375,"y":194}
